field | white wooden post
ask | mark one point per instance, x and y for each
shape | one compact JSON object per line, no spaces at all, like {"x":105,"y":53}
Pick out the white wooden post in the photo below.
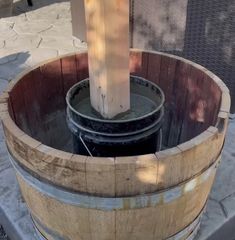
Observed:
{"x":108,"y":53}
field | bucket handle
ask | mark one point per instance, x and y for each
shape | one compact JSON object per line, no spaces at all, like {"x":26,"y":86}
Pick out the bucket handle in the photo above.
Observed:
{"x":84,"y":144}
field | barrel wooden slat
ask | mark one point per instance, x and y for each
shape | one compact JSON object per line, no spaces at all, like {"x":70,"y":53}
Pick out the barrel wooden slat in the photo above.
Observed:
{"x":188,"y":158}
{"x":18,"y":106}
{"x":124,"y":223}
{"x":154,"y":68}
{"x":179,"y":102}
{"x":125,"y":197}
{"x":167,"y":76}
{"x":69,"y":72}
{"x":166,"y":83}
{"x":82,"y":66}
{"x":51,"y":72}
{"x":139,"y":63}
{"x":100,"y":176}
{"x":136,"y":175}
{"x":196,"y":118}
{"x":103,"y":224}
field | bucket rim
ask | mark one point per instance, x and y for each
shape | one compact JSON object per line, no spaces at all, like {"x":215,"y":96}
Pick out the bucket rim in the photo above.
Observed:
{"x":158,"y":108}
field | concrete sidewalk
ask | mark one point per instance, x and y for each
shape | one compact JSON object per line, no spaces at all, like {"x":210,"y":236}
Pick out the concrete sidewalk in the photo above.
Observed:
{"x":45,"y":31}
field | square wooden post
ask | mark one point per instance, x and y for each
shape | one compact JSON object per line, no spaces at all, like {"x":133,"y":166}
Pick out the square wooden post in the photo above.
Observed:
{"x":108,"y":52}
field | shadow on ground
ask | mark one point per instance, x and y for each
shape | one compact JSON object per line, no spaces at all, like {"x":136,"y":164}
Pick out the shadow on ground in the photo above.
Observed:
{"x":21,"y":6}
{"x":11,"y":65}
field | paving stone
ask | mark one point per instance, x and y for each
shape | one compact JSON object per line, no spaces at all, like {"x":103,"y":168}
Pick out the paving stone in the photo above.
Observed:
{"x":60,"y":29}
{"x":5,"y":26}
{"x":24,"y":41}
{"x":225,"y":179}
{"x":58,"y":43}
{"x":3,"y":85}
{"x":6,"y":30}
{"x":32,"y":27}
{"x":15,"y":19}
{"x":12,"y":69}
{"x":229,"y":205}
{"x":17,"y":224}
{"x":2,"y":44}
{"x":38,"y":55}
{"x":8,"y":55}
{"x":213,"y":217}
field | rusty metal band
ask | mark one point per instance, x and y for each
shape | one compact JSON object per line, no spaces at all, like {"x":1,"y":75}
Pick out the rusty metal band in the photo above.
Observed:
{"x":113,"y":203}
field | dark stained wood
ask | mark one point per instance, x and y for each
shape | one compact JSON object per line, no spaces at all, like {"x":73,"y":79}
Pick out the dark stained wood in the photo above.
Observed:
{"x":18,"y":105}
{"x":215,"y":100}
{"x":69,"y":72}
{"x":178,"y":102}
{"x":139,"y":64}
{"x":52,"y":86}
{"x":35,"y":104}
{"x":166,"y":82}
{"x":154,"y":68}
{"x":202,"y":104}
{"x":167,"y":76}
{"x":82,"y":66}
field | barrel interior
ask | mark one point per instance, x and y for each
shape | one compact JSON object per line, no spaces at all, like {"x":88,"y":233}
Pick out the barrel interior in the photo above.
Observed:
{"x":37,"y":102}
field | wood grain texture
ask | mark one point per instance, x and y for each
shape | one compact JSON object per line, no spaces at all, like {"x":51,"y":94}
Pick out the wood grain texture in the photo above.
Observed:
{"x":166,"y":83}
{"x":136,"y":175}
{"x":108,"y":52}
{"x":100,"y":176}
{"x":69,"y":72}
{"x":82,"y":66}
{"x":154,"y":68}
{"x":179,"y":101}
{"x":138,"y":63}
{"x":159,"y":222}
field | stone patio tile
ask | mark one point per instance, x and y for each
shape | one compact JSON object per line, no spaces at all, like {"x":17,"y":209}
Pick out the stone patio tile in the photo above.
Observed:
{"x":10,"y":70}
{"x":32,"y":27}
{"x":213,"y":217}
{"x":62,"y":28}
{"x":229,"y":205}
{"x":225,"y":179}
{"x":6,"y":30}
{"x":3,"y":85}
{"x":2,"y":43}
{"x":38,"y":55}
{"x":57,"y":43}
{"x":8,"y":55}
{"x":24,"y":41}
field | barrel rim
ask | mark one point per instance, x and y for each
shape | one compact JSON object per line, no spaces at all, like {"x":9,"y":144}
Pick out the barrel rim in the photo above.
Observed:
{"x":223,"y":114}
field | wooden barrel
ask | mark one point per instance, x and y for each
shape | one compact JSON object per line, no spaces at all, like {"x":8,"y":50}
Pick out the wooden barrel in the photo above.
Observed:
{"x":155,"y":196}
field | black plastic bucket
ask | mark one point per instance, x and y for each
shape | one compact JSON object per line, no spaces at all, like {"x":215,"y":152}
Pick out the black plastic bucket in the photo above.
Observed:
{"x":121,"y":136}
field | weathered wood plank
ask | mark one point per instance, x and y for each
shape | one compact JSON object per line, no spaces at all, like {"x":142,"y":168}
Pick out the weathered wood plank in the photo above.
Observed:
{"x":138,"y":63}
{"x":69,"y":72}
{"x":108,"y":53}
